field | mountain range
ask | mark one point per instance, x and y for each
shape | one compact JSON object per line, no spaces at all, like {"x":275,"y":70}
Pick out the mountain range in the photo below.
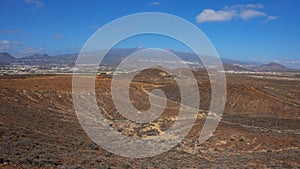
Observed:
{"x":116,"y":55}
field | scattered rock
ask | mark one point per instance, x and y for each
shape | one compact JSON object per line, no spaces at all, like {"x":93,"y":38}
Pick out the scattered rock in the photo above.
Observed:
{"x":78,"y":166}
{"x":223,"y":142}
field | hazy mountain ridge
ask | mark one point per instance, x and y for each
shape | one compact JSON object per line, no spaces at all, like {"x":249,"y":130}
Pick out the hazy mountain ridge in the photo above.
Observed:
{"x":116,"y":55}
{"x":273,"y":66}
{"x":6,"y":58}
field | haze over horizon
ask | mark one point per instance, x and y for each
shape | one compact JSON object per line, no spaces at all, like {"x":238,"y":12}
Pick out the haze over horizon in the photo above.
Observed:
{"x":249,"y":30}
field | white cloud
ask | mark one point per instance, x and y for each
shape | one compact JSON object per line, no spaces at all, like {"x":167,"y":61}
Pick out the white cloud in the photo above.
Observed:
{"x":247,"y":6}
{"x":37,"y":3}
{"x":27,"y":51}
{"x":18,"y":49}
{"x":210,"y":15}
{"x":31,"y":51}
{"x":256,"y":6}
{"x":154,"y":3}
{"x":7,"y":42}
{"x":241,"y":11}
{"x":250,"y":13}
{"x":4,"y":48}
{"x":269,"y":18}
{"x":7,"y":45}
{"x":4,"y":42}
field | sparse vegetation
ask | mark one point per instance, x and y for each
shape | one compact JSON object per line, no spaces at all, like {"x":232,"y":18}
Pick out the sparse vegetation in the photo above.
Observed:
{"x":39,"y":128}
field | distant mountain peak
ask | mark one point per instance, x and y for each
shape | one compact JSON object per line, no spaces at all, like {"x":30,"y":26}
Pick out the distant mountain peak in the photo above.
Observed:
{"x":273,"y":64}
{"x":38,"y":56}
{"x":273,"y":67}
{"x":6,"y":57}
{"x":4,"y":53}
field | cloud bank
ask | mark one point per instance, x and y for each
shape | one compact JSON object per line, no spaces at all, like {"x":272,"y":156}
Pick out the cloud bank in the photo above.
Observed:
{"x":6,"y":44}
{"x":244,"y":12}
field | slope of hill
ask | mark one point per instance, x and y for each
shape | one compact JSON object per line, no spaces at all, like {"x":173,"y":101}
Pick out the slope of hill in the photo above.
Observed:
{"x":36,"y":59}
{"x":39,"y":128}
{"x":6,"y":58}
{"x":273,"y":67}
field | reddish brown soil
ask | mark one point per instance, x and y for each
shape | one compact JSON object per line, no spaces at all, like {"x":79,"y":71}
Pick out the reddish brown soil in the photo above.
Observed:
{"x":259,"y":129}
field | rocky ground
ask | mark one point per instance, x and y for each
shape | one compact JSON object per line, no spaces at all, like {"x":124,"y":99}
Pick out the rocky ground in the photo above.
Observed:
{"x":259,"y":129}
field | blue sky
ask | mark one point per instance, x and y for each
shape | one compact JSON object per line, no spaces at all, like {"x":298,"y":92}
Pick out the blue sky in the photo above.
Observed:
{"x":244,"y":30}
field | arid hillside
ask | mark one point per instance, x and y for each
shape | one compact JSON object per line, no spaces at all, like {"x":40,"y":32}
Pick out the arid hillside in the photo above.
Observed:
{"x":260,"y":127}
